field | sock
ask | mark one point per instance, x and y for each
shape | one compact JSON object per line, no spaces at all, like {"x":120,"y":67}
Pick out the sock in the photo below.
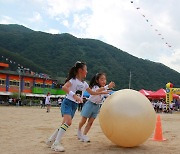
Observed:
{"x":61,"y":132}
{"x":53,"y":136}
{"x":79,"y":134}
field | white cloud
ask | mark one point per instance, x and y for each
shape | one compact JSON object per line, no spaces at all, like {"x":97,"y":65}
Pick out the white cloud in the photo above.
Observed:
{"x":53,"y":31}
{"x":36,"y":1}
{"x":172,"y":61}
{"x":65,"y":23}
{"x":8,"y":1}
{"x":36,"y":17}
{"x":10,"y":20}
{"x":65,"y":7}
{"x":80,"y":22}
{"x":7,"y":20}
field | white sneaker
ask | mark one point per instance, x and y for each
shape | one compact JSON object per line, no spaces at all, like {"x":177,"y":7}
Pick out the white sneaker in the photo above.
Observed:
{"x":85,"y":138}
{"x":57,"y":147}
{"x":79,"y":135}
{"x":49,"y":143}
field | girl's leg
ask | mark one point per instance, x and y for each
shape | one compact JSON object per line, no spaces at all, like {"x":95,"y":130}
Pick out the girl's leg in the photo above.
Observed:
{"x":85,"y":138}
{"x":81,"y":123}
{"x":88,"y":126}
{"x":48,"y":108}
{"x":52,"y":138}
{"x":67,"y":122}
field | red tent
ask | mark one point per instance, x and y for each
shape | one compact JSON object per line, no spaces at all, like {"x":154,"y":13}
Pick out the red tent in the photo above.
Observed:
{"x":161,"y":93}
{"x":145,"y":92}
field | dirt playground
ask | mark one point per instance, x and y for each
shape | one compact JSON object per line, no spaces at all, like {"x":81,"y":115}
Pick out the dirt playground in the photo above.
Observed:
{"x":24,"y":130}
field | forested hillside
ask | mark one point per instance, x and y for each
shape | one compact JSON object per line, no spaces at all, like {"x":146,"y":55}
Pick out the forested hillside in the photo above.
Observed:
{"x":55,"y":54}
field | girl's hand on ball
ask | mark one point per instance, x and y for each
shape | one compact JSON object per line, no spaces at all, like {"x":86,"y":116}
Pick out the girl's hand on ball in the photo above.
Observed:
{"x":111,"y":85}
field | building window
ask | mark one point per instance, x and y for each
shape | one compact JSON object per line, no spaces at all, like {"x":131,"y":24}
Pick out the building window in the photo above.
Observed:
{"x":2,"y":82}
{"x":38,"y":85}
{"x":27,"y":84}
{"x":14,"y":83}
{"x":47,"y":86}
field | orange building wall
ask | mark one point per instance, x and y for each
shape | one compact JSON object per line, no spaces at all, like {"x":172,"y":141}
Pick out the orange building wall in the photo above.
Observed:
{"x":48,"y":81}
{"x":38,"y":80}
{"x":28,"y":89}
{"x":2,"y":76}
{"x":2,"y":88}
{"x":14,"y":89}
{"x":14,"y":77}
{"x":28,"y":79}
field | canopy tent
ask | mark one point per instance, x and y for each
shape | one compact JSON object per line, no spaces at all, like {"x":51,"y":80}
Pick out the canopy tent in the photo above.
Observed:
{"x":145,"y":92}
{"x":161,"y":93}
{"x":86,"y":94}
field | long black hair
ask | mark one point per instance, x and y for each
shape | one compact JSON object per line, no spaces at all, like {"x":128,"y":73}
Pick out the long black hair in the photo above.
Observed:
{"x":94,"y":80}
{"x":74,"y":70}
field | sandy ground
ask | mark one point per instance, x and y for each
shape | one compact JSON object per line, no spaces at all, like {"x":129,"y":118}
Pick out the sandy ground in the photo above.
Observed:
{"x":24,"y":130}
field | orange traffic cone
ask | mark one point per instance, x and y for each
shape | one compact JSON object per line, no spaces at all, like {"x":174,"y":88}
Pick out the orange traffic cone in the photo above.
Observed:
{"x":158,"y":130}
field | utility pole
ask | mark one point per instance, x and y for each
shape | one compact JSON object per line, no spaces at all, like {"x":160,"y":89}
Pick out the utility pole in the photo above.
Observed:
{"x":130,"y":80}
{"x":19,"y":72}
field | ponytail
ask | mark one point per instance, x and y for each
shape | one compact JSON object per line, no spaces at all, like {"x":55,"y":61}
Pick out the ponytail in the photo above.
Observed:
{"x":71,"y":74}
{"x":93,"y":82}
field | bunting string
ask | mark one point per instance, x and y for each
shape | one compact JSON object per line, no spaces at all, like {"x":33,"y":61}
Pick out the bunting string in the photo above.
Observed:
{"x":22,"y":68}
{"x":151,"y":25}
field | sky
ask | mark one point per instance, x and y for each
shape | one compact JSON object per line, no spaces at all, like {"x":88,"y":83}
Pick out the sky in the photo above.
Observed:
{"x":145,"y":29}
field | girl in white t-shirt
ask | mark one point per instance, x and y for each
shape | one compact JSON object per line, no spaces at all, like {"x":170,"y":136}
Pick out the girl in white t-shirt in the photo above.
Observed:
{"x":48,"y":102}
{"x":91,"y":108}
{"x":74,"y":86}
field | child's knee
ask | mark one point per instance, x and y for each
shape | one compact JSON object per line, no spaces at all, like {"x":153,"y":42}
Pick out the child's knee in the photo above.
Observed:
{"x":69,"y":122}
{"x":84,"y":120}
{"x":90,"y":123}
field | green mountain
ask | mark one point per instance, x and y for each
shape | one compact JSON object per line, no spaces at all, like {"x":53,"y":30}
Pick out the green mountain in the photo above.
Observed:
{"x":56,"y":54}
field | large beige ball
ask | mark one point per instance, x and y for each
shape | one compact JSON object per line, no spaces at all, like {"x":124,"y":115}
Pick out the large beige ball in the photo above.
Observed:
{"x":127,"y":118}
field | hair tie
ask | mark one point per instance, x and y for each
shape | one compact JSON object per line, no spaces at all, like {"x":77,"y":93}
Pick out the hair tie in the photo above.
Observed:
{"x":78,"y":62}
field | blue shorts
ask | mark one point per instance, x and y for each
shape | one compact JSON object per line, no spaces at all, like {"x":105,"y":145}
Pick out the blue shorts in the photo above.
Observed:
{"x":90,"y":110}
{"x":68,"y":107}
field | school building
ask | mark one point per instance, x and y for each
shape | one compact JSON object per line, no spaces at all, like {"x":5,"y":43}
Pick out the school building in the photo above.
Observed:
{"x":25,"y":83}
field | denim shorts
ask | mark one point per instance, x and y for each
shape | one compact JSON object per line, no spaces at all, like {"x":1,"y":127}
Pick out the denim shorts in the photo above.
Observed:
{"x":90,"y":110}
{"x":68,"y":107}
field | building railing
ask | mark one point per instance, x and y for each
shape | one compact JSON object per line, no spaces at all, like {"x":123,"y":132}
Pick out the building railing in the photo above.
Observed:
{"x":38,"y":90}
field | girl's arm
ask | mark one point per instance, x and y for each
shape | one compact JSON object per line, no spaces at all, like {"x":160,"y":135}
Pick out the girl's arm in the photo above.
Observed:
{"x":96,"y":92}
{"x":66,"y":88}
{"x":109,"y":86}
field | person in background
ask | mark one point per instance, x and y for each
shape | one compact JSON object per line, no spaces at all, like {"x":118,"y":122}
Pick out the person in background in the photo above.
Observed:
{"x":48,"y":102}
{"x":59,"y":101}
